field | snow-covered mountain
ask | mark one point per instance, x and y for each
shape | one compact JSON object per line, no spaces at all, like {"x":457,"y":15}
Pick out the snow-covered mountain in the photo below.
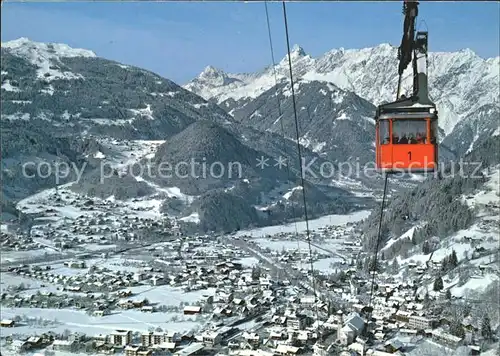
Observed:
{"x":463,"y":85}
{"x":215,"y":84}
{"x":46,"y":56}
{"x":325,"y":114}
{"x":39,"y":78}
{"x":54,"y":97}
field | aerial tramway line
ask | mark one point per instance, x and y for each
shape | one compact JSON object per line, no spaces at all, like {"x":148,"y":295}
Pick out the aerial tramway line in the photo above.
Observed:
{"x":299,"y":152}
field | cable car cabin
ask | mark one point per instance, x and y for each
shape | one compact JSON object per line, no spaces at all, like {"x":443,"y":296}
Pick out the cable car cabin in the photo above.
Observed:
{"x":406,"y":137}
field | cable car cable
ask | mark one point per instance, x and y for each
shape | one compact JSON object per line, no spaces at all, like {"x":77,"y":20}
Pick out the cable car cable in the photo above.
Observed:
{"x":299,"y":155}
{"x":377,"y":246}
{"x":424,"y":23}
{"x":299,"y":151}
{"x":280,"y":117}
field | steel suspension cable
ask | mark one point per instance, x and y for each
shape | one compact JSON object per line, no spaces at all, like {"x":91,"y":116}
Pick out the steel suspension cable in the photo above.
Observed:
{"x":299,"y":152}
{"x":280,"y":117}
{"x":377,"y":246}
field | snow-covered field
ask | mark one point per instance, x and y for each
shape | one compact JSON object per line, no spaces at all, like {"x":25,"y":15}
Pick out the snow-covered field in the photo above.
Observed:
{"x":98,"y":247}
{"x":118,"y":263}
{"x":324,"y":264}
{"x":333,"y":219}
{"x":406,"y":235}
{"x":32,"y":285}
{"x":122,"y":154}
{"x":248,"y":261}
{"x":167,"y":295}
{"x":294,"y":244}
{"x":476,"y":284}
{"x":75,"y":320}
{"x":283,"y":245}
{"x":61,"y":270}
{"x":19,"y":256}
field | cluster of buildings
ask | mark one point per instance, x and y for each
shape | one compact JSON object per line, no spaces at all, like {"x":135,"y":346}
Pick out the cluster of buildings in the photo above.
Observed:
{"x":252,"y":311}
{"x":11,"y":242}
{"x":100,"y":279}
{"x":253,"y":314}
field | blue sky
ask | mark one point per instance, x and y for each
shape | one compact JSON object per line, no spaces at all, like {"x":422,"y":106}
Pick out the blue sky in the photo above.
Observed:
{"x":177,"y":40}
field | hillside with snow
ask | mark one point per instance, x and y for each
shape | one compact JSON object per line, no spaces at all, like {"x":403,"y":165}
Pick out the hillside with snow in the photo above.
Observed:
{"x":56,"y":100}
{"x":69,"y":107}
{"x":444,"y":237}
{"x":335,"y":123}
{"x":46,"y":57}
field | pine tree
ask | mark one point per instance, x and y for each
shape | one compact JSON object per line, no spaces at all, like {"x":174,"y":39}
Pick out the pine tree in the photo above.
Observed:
{"x":426,"y":248}
{"x":426,"y":299}
{"x":438,"y":284}
{"x":373,"y":265}
{"x":486,"y":328}
{"x":444,"y":265}
{"x":359,"y":264}
{"x":395,"y":266}
{"x":448,"y":294}
{"x":453,"y":259}
{"x":457,"y":329}
{"x":256,"y":273}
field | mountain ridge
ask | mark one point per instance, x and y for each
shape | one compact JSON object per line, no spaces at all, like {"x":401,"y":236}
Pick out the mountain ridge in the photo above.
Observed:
{"x":463,"y":85}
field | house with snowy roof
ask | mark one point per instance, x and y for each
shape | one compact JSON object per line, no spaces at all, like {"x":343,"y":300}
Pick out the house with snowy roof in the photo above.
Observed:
{"x":353,"y":326}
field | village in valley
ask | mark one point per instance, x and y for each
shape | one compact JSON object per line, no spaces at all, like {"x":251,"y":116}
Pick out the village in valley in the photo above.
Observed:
{"x":104,"y":277}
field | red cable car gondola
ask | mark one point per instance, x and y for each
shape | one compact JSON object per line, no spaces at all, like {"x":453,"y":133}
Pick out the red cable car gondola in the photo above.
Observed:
{"x":406,"y":136}
{"x":407,"y":129}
